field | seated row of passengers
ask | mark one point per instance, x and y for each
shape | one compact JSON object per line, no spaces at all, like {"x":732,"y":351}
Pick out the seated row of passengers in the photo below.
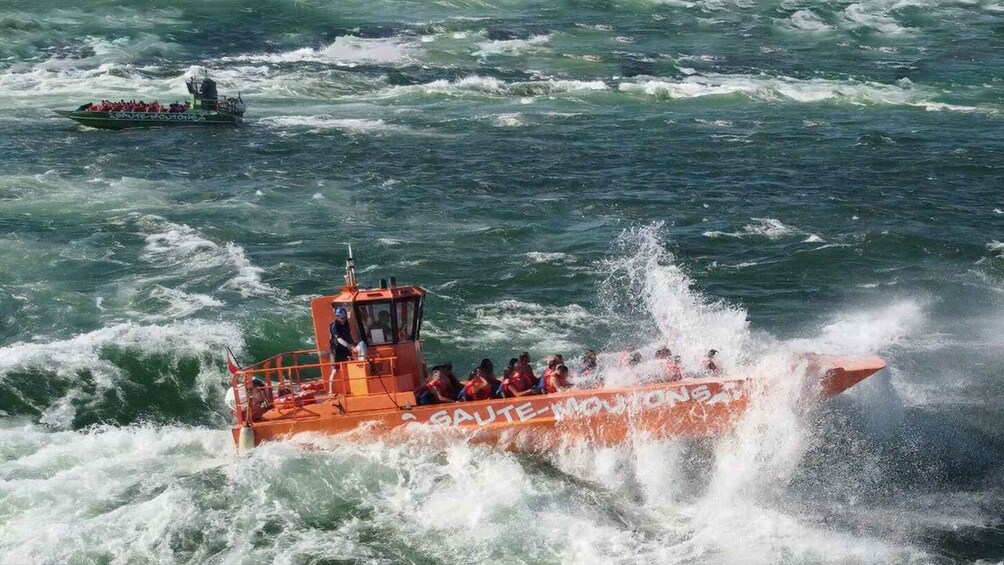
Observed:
{"x":518,"y":378}
{"x":134,"y":106}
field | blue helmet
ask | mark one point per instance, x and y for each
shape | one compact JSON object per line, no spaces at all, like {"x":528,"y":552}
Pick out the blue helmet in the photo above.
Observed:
{"x":340,"y":311}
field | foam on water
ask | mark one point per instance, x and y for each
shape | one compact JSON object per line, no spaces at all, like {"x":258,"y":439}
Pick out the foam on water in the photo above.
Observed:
{"x":510,"y":120}
{"x":541,"y":329}
{"x":807,"y":21}
{"x":770,"y":228}
{"x":65,"y":360}
{"x":491,"y":85}
{"x":170,"y":245}
{"x":544,"y":257}
{"x":181,"y":304}
{"x":512,"y":47}
{"x":865,"y":331}
{"x":808,"y":91}
{"x":870,"y":16}
{"x":645,"y":283}
{"x":345,"y":50}
{"x":322,"y":122}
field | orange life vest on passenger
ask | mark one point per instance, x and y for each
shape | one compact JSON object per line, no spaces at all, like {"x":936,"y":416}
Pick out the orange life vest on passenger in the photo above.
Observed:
{"x":519,"y":381}
{"x":441,"y":385}
{"x":553,"y":382}
{"x":482,"y":393}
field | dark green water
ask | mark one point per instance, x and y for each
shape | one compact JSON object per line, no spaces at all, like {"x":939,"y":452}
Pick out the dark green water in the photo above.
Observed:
{"x":755,"y":177}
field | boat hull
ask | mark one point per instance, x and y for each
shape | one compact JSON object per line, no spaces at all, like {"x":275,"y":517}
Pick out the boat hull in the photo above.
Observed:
{"x":691,"y":408}
{"x":123,"y":120}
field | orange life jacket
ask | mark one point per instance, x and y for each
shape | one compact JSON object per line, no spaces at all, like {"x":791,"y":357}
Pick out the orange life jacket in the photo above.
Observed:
{"x":519,"y":381}
{"x":553,"y":382}
{"x":483,"y":393}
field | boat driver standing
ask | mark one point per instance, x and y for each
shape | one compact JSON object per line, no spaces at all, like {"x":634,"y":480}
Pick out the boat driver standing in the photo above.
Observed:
{"x":341,"y":336}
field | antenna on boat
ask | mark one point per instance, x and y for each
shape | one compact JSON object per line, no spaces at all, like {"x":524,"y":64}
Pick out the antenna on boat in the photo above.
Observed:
{"x":350,"y":271}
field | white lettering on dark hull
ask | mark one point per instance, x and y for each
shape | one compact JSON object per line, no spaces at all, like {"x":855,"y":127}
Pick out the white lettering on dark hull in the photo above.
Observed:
{"x":157,"y":116}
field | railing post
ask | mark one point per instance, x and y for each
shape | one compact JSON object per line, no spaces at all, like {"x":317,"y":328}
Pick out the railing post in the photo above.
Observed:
{"x":238,"y":410}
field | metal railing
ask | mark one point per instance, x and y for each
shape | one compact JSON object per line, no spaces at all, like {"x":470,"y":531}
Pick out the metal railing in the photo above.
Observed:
{"x":285,"y":375}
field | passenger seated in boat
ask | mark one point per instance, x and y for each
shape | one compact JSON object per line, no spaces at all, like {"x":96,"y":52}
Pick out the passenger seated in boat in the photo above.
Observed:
{"x":552,"y":362}
{"x":588,"y":364}
{"x":488,"y":368}
{"x":672,"y":368}
{"x":524,"y":364}
{"x":437,"y":390}
{"x":455,"y":385}
{"x":631,"y":359}
{"x":518,"y":382}
{"x":709,"y":365}
{"x":477,"y":387}
{"x":557,"y":380}
{"x":679,"y":364}
{"x":510,"y":367}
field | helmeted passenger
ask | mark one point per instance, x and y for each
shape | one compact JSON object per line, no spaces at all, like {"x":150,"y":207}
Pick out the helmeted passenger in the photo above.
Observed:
{"x":557,"y":380}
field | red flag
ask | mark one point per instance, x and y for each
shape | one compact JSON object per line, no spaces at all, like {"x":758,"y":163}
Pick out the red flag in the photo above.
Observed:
{"x":230,"y":363}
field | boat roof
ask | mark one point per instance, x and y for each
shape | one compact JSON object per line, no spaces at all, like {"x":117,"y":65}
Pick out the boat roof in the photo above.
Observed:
{"x":349,"y":294}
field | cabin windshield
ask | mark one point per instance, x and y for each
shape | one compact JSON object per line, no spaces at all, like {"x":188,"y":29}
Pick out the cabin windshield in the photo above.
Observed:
{"x":376,"y":323}
{"x":408,"y":315}
{"x":386,"y":322}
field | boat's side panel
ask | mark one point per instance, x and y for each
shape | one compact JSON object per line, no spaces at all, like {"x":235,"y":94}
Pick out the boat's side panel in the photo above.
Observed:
{"x":604,"y":416}
{"x":121,"y":120}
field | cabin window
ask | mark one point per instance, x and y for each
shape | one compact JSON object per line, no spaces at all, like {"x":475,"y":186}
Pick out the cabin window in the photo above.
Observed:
{"x":376,"y":322}
{"x":408,"y":318}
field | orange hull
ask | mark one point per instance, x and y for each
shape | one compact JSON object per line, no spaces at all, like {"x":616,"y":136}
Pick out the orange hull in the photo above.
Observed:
{"x":689,"y":408}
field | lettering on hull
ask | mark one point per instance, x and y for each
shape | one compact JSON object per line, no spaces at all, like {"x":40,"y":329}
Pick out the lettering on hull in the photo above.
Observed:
{"x":157,"y":116}
{"x":585,"y":406}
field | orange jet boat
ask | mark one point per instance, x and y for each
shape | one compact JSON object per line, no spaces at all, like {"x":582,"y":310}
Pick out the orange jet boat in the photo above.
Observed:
{"x":305,"y":391}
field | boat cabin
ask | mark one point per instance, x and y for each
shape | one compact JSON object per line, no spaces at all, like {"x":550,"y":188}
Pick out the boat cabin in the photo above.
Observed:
{"x":385,"y":324}
{"x":388,"y":367}
{"x":203,"y":91}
